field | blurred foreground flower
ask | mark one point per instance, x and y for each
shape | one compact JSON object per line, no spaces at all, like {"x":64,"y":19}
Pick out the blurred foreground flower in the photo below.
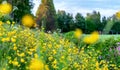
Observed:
{"x":78,"y":33}
{"x":92,"y":38}
{"x":1,"y":23}
{"x":36,"y":65}
{"x":118,"y":14}
{"x":28,"y":21}
{"x":5,"y":8}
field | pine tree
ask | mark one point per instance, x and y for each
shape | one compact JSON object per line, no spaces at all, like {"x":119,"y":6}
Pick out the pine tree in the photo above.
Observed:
{"x":46,"y":15}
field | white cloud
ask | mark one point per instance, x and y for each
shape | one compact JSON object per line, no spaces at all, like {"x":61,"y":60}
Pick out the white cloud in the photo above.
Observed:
{"x":36,"y":2}
{"x":75,"y":9}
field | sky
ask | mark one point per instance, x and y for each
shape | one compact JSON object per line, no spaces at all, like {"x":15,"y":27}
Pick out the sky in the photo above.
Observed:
{"x":105,"y":7}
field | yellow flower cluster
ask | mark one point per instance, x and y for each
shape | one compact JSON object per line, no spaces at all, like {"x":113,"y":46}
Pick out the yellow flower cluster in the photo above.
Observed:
{"x":1,"y":23}
{"x":118,"y":14}
{"x":92,"y":38}
{"x":5,"y":8}
{"x":88,"y":39}
{"x":28,"y":21}
{"x":36,"y":65}
{"x":78,"y":33}
{"x":18,"y":46}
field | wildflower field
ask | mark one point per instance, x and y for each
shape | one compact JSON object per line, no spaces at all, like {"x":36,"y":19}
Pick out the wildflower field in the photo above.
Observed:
{"x":32,"y":49}
{"x":24,"y":47}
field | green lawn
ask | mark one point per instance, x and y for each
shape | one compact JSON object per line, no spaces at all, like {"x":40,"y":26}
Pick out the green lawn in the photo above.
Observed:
{"x":108,"y":36}
{"x":70,"y":35}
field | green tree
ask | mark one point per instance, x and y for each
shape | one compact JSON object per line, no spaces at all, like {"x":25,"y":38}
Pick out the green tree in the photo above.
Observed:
{"x":46,"y":15}
{"x":20,"y":8}
{"x":116,"y":25}
{"x":103,"y":23}
{"x":80,"y":22}
{"x":93,"y":22}
{"x":65,"y":21}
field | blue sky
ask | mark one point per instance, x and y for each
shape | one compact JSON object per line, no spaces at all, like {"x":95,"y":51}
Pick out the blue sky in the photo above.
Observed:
{"x":105,"y":7}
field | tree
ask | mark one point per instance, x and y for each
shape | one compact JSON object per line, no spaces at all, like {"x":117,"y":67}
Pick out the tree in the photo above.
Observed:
{"x":80,"y":22}
{"x":65,"y":21}
{"x":116,"y":25}
{"x":93,"y":22}
{"x":103,"y":23}
{"x":20,"y":8}
{"x":46,"y":15}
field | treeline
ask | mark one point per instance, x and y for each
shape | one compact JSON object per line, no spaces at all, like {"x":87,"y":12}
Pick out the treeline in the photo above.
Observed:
{"x":51,"y":20}
{"x":92,"y":22}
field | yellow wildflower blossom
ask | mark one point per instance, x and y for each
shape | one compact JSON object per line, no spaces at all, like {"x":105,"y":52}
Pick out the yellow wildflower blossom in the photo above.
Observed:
{"x":118,"y":14}
{"x":5,"y":8}
{"x":1,"y":23}
{"x":78,"y":33}
{"x":28,"y":21}
{"x":8,"y":22}
{"x":22,"y":60}
{"x":92,"y":38}
{"x":46,"y":67}
{"x":5,"y":39}
{"x":13,"y":40}
{"x":50,"y":58}
{"x":22,"y":54}
{"x":36,"y":65}
{"x":15,"y":63}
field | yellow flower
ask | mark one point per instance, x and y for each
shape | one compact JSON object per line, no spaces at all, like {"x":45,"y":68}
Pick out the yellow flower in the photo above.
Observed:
{"x":35,"y":55}
{"x":1,"y":34}
{"x":4,"y":69}
{"x":15,"y":63}
{"x":8,"y":22}
{"x":54,"y":51}
{"x":105,"y":67}
{"x":62,"y":57}
{"x":118,"y":14}
{"x":54,"y":62}
{"x":13,"y":40}
{"x":11,"y":33}
{"x":15,"y":47}
{"x":1,"y":23}
{"x":5,"y":8}
{"x":22,"y":60}
{"x":50,"y":58}
{"x":46,"y":67}
{"x":22,"y":54}
{"x":28,"y":21}
{"x":78,"y":33}
{"x":5,"y":39}
{"x":36,"y":65}
{"x":13,"y":22}
{"x":97,"y":66}
{"x":92,"y":38}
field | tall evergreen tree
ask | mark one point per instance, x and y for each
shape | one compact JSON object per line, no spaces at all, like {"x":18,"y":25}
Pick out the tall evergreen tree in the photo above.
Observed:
{"x":46,"y":15}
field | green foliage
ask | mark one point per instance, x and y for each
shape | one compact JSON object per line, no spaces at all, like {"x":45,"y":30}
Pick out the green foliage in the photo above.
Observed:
{"x":80,"y":22}
{"x":109,"y":50}
{"x":20,"y":8}
{"x":107,"y":45}
{"x":65,"y":21}
{"x":93,"y":22}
